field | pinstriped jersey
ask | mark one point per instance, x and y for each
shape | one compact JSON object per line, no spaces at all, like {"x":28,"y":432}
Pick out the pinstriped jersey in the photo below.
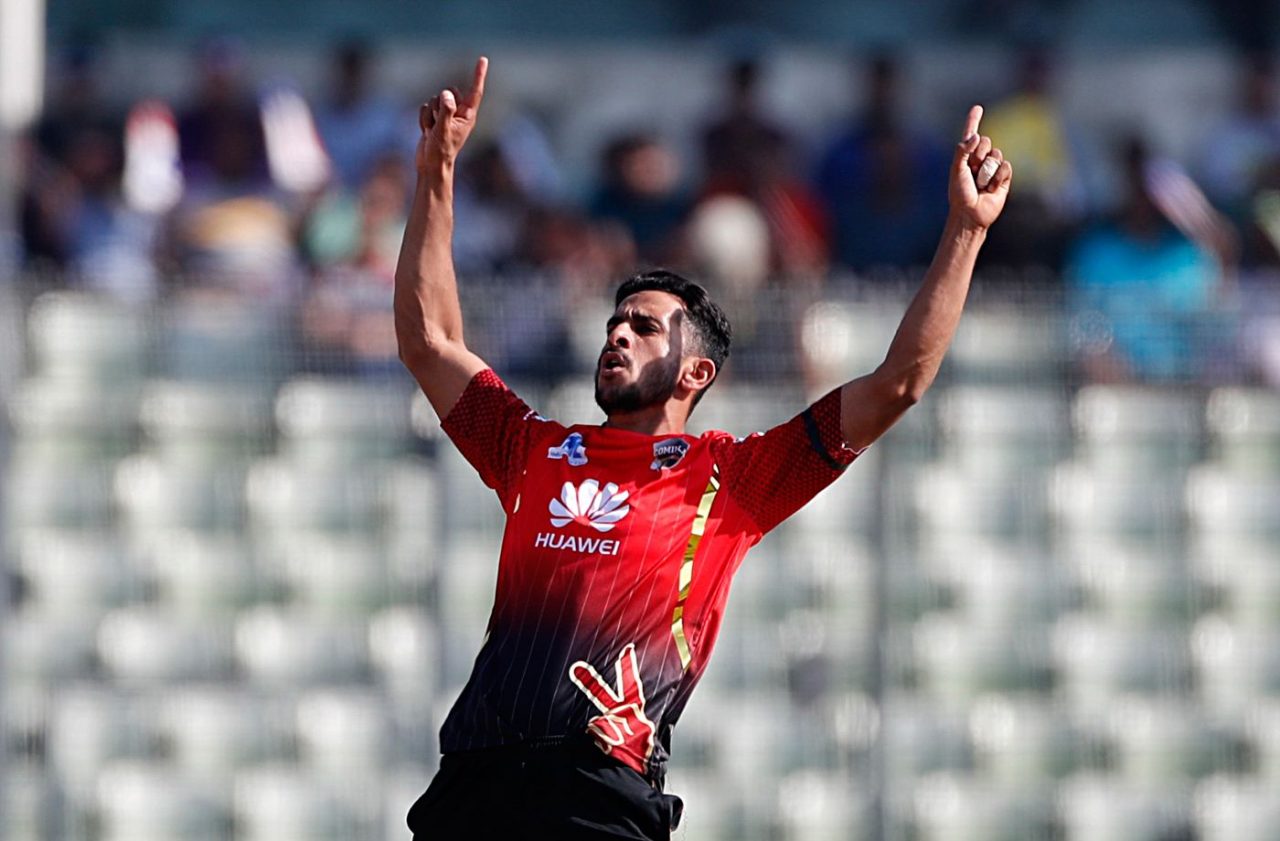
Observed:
{"x":615,"y":565}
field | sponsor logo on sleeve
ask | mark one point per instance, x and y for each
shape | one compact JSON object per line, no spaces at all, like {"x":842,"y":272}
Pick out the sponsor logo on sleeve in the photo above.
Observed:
{"x":572,"y":449}
{"x":667,"y":453}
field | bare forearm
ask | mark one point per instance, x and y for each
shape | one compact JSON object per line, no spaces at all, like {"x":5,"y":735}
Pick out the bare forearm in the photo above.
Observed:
{"x":930,"y":321}
{"x":427,"y":311}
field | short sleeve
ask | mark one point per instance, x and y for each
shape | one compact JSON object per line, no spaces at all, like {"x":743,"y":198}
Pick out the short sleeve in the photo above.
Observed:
{"x":771,"y":475}
{"x":494,"y":430}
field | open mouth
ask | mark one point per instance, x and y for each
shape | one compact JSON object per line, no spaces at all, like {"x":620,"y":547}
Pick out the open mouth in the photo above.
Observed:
{"x":612,"y":361}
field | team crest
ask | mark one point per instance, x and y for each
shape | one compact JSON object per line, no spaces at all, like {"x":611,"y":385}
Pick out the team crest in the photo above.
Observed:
{"x":667,"y":454}
{"x":572,"y":448}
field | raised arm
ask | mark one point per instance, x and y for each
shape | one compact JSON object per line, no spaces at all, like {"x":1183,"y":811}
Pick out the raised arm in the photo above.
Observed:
{"x":428,"y":316}
{"x":979,"y":185}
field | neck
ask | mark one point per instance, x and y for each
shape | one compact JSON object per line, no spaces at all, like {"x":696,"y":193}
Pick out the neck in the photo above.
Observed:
{"x":666,"y":419}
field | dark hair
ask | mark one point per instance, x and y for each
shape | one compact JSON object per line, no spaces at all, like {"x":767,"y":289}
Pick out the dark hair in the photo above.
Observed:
{"x":711,"y":331}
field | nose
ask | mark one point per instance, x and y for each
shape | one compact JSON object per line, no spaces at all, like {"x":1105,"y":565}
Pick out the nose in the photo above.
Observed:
{"x":619,"y":337}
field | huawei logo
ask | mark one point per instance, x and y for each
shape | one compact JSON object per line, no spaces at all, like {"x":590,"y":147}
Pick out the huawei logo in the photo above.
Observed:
{"x":590,"y":505}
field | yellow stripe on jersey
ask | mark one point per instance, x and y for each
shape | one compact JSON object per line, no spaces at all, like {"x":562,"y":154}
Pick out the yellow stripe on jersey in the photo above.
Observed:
{"x":686,"y":568}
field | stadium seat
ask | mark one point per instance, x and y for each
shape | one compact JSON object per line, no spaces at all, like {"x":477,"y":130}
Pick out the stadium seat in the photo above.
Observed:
{"x":1132,"y":582}
{"x":742,"y":410}
{"x":1244,"y":430}
{"x":958,"y":660}
{"x":27,"y":803}
{"x":997,"y":584}
{"x":403,"y":785}
{"x":281,"y":647}
{"x":413,"y":488}
{"x":334,"y":574}
{"x":1021,"y":741}
{"x":571,"y":403}
{"x":1236,"y":809}
{"x":211,"y":730}
{"x":1003,"y":429}
{"x":65,"y":421}
{"x":1094,"y":807}
{"x":818,"y":806}
{"x":1227,"y":506}
{"x":960,"y":807}
{"x":1132,"y":431}
{"x":951,"y":504}
{"x":87,"y":339}
{"x":1004,"y":344}
{"x":1246,"y":579}
{"x":404,"y":646}
{"x":1088,"y":502}
{"x":201,"y":575}
{"x":157,"y":496}
{"x":1261,"y":731}
{"x":919,"y":738}
{"x":468,"y":580}
{"x":1098,"y":661}
{"x":344,"y":732}
{"x":1163,"y":742}
{"x":1235,"y":665}
{"x":144,"y":645}
{"x":205,"y":424}
{"x":711,"y":812}
{"x":842,"y":340}
{"x":224,"y":340}
{"x":73,"y":573}
{"x":90,"y":726}
{"x":39,"y":495}
{"x":333,"y":423}
{"x":276,"y":801}
{"x":142,"y":801}
{"x":48,"y":650}
{"x":284,"y":497}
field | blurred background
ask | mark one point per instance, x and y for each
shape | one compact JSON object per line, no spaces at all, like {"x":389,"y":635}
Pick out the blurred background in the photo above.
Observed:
{"x":245,"y":577}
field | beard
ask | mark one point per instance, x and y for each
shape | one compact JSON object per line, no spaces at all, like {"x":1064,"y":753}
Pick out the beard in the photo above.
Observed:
{"x":655,"y":386}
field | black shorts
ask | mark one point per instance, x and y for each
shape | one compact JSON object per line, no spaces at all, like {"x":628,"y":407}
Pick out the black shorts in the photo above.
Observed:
{"x":570,"y":792}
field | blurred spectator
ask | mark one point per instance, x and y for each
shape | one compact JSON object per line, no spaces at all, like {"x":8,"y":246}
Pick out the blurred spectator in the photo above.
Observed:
{"x":347,"y":319}
{"x":738,"y":143}
{"x":1238,"y":151}
{"x":883,"y":181}
{"x":222,"y":120}
{"x":75,"y":107}
{"x":363,"y":229}
{"x":490,"y":210}
{"x":231,"y":233}
{"x":640,"y":191}
{"x":747,"y":155}
{"x":75,"y":217}
{"x":1030,"y":129}
{"x":356,"y":124}
{"x":1143,"y":293}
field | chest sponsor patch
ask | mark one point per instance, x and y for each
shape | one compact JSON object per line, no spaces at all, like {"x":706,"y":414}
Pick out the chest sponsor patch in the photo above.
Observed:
{"x":571,"y":449}
{"x":667,"y":453}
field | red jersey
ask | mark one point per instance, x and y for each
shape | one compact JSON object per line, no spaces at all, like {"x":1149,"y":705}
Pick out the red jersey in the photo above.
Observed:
{"x":615,"y":567}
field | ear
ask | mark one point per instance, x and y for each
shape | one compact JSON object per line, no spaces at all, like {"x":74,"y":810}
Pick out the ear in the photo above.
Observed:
{"x":698,"y":373}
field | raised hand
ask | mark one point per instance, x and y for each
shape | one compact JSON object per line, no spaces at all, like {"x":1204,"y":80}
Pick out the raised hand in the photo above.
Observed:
{"x":980,"y":176}
{"x":447,"y":121}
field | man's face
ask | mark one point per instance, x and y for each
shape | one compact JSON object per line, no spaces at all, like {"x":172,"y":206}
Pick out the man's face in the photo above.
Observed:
{"x":640,"y":362}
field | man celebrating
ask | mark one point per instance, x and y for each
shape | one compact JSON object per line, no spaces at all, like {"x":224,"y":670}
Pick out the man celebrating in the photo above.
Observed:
{"x":621,"y":539}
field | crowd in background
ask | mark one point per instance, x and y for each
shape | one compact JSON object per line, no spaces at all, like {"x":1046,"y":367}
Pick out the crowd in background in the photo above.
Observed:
{"x":762,"y":208}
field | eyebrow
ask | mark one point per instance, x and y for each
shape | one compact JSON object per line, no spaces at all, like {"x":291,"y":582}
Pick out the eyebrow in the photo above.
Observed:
{"x":632,"y":316}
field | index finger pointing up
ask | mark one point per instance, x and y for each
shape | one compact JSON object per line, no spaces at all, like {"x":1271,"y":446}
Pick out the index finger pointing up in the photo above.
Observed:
{"x":477,"y":83}
{"x":971,"y":123}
